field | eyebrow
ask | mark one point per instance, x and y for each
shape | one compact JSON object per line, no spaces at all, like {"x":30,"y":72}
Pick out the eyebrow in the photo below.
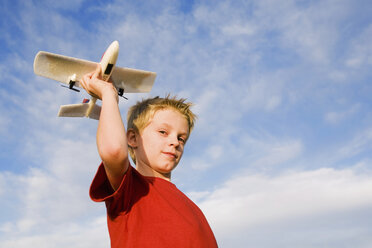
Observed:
{"x":169,"y":126}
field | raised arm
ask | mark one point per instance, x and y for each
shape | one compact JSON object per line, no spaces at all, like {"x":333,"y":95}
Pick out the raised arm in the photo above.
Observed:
{"x":111,"y":137}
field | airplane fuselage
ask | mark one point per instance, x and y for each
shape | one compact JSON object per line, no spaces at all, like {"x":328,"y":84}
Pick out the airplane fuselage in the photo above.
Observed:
{"x":108,"y":60}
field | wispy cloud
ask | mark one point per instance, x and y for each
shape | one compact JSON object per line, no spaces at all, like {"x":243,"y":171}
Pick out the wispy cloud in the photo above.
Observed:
{"x":335,"y":117}
{"x":361,"y":50}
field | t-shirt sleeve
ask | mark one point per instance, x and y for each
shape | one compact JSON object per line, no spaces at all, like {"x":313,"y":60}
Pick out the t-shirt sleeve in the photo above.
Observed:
{"x":101,"y":191}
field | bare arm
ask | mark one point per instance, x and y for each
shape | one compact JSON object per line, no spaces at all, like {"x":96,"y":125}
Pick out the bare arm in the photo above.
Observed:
{"x":111,"y":137}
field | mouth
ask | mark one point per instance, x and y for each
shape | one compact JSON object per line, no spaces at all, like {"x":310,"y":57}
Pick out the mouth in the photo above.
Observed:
{"x":170,"y":154}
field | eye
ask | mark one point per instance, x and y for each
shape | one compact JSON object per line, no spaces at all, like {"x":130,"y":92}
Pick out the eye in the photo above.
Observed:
{"x":182,"y":140}
{"x":163,"y":132}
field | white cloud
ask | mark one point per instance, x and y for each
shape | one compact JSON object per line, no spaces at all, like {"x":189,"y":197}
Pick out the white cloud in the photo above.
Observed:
{"x":50,"y":204}
{"x":92,"y":233}
{"x":246,"y":202}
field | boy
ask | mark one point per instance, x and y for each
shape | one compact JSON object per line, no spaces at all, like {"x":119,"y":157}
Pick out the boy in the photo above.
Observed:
{"x":144,"y":209}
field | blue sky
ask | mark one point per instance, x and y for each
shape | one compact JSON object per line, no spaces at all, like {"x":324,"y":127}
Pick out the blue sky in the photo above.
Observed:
{"x":281,"y":152}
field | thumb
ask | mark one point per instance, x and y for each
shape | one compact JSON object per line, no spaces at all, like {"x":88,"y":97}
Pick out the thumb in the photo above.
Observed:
{"x":97,"y":72}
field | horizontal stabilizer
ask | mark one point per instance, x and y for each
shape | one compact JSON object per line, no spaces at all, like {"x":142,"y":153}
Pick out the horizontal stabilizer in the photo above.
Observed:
{"x":80,"y":110}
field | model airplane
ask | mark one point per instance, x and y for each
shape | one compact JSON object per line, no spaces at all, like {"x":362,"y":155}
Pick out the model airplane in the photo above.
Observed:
{"x":70,"y":70}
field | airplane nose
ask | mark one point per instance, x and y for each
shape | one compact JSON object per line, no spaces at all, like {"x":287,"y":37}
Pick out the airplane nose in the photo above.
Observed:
{"x":115,"y":45}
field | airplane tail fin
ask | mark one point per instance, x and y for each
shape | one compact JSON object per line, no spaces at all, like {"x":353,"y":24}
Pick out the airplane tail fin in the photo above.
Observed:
{"x":90,"y":110}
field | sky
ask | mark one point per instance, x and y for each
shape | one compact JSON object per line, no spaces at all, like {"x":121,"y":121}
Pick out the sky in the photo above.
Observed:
{"x":281,"y":154}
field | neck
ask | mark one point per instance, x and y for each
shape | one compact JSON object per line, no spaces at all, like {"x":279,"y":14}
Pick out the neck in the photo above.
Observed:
{"x":147,"y":171}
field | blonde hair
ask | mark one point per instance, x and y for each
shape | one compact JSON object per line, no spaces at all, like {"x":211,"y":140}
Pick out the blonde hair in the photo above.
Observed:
{"x":140,"y":114}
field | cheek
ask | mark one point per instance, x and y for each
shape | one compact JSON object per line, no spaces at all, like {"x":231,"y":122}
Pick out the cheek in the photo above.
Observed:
{"x":151,"y":144}
{"x":181,"y":153}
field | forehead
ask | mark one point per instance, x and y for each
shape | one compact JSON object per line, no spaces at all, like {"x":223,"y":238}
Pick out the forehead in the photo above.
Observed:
{"x":170,"y":117}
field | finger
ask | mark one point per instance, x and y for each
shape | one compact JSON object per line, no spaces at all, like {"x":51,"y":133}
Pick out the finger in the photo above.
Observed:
{"x":90,"y":74}
{"x":94,"y":95}
{"x":83,"y":81}
{"x":83,"y":85}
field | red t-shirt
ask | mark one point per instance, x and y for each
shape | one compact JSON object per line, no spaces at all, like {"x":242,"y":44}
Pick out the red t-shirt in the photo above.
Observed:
{"x":150,"y":212}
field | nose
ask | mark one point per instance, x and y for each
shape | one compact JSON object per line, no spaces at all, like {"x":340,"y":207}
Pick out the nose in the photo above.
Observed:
{"x":173,"y":140}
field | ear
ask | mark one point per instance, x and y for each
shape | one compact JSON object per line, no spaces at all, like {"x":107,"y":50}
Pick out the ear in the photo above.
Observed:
{"x":132,"y":138}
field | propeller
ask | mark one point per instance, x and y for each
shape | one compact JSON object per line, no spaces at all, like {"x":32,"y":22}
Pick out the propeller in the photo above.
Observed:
{"x":71,"y":86}
{"x":121,"y":93}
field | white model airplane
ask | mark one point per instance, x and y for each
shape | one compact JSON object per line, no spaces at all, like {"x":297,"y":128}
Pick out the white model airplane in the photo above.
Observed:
{"x":70,"y":70}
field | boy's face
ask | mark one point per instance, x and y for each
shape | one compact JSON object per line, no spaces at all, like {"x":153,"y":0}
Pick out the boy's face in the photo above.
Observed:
{"x":160,"y":144}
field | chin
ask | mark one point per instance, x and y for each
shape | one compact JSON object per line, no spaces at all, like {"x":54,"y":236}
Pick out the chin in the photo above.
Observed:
{"x":166,"y":169}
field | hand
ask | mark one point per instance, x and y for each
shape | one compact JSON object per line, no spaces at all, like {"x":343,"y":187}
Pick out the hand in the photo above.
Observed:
{"x":96,"y":87}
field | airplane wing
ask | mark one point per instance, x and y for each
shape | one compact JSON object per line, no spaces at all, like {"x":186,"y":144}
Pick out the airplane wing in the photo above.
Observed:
{"x":133,"y":80}
{"x":63,"y":69}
